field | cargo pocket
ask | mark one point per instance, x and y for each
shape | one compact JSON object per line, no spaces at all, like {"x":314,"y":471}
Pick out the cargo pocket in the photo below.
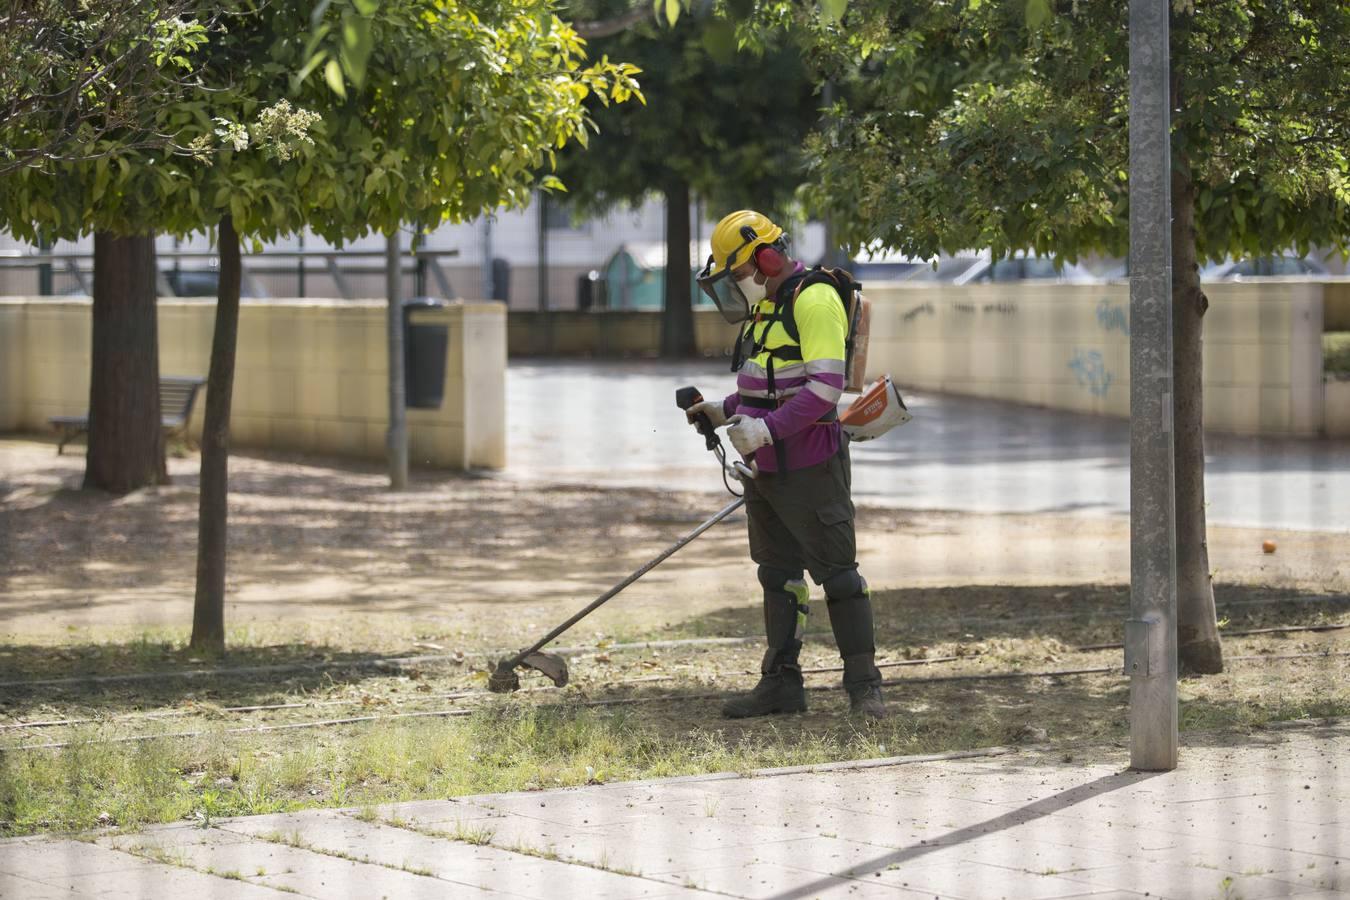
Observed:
{"x":838,"y":549}
{"x":835,"y":513}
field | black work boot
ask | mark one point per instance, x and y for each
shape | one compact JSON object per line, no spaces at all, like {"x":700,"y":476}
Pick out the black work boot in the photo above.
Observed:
{"x":777,"y":692}
{"x":862,"y":681}
{"x":780,"y":688}
{"x":851,"y":621}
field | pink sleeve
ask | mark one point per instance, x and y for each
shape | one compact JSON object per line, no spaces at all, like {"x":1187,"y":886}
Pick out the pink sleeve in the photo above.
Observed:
{"x":730,"y":403}
{"x":803,"y":409}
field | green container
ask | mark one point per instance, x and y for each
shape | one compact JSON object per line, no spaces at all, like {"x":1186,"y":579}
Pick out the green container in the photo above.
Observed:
{"x":631,"y":283}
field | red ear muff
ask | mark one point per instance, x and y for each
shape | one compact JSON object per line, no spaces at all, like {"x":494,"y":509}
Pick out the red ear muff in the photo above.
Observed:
{"x":770,"y":261}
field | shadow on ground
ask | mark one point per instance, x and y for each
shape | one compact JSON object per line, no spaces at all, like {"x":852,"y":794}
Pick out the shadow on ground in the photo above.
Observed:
{"x":975,"y":629}
{"x":1076,"y":615}
{"x":303,"y":529}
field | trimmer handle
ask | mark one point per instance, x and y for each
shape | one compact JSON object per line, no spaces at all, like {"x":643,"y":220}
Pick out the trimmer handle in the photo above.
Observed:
{"x":685,"y":399}
{"x":744,"y":472}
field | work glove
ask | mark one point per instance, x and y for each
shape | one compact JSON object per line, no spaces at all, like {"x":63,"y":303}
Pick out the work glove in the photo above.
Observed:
{"x":712,"y":409}
{"x":748,"y":434}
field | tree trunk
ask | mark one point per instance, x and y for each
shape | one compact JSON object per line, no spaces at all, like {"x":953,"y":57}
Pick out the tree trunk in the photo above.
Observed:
{"x":677,"y":316}
{"x":1198,"y":649}
{"x":126,"y":443}
{"x":208,"y":611}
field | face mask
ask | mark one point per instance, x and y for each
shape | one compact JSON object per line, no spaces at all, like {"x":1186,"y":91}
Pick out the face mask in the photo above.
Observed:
{"x":753,"y":290}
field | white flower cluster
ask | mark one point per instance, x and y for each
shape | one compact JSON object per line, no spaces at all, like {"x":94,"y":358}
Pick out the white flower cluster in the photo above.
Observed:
{"x":233,"y":133}
{"x":281,"y":129}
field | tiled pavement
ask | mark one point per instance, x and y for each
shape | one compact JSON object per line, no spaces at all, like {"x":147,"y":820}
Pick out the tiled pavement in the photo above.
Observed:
{"x":1269,"y":817}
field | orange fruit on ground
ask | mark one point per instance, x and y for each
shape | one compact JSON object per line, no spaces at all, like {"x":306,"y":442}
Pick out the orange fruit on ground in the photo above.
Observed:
{"x":1268,"y":546}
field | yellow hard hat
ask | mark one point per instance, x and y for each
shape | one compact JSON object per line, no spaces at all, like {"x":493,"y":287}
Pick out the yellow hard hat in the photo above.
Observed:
{"x":737,"y":236}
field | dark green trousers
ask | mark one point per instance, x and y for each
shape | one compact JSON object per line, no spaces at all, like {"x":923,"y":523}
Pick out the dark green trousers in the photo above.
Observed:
{"x":804,"y":521}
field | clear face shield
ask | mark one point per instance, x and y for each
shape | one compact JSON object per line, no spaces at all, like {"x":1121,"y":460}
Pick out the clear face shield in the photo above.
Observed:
{"x":725,"y":293}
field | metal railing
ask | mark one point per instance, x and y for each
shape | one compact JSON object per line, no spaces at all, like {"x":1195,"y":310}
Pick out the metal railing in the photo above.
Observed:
{"x":80,"y":267}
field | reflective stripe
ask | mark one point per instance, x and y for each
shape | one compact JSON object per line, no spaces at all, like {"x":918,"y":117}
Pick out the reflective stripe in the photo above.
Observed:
{"x":825,"y":367}
{"x":780,"y":370}
{"x":824,"y":391}
{"x":801,"y":593}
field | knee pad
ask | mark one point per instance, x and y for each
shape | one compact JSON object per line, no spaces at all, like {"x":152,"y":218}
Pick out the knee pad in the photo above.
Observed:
{"x":844,"y":584}
{"x":776,"y":579}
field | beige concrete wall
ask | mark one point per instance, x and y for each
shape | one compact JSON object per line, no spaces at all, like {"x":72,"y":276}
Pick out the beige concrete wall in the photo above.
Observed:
{"x":1067,"y":347}
{"x":481,"y":374}
{"x":12,"y":369}
{"x":1057,"y":345}
{"x":310,"y":374}
{"x":55,"y":341}
{"x":609,"y":334}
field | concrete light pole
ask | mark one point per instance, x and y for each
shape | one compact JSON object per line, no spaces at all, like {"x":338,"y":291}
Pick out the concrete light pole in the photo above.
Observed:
{"x":396,"y":440}
{"x":488,"y":289}
{"x":1151,"y":632}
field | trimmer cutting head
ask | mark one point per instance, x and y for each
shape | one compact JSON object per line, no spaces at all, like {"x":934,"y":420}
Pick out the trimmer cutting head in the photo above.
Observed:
{"x":505,"y":679}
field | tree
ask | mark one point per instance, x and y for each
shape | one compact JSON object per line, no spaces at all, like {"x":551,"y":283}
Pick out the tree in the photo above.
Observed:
{"x":983,"y":125}
{"x":76,"y":73}
{"x":443,"y":111}
{"x":460,"y":105}
{"x":86,"y":85}
{"x":724,"y":123}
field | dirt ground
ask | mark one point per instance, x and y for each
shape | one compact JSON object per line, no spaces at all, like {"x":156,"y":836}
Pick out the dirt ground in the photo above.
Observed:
{"x":320,"y":545}
{"x":985,"y":625}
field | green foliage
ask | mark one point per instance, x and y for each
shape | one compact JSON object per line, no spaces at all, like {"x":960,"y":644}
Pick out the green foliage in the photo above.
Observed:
{"x":458,"y":106}
{"x":725,"y":119}
{"x":73,"y":73}
{"x":984,"y":124}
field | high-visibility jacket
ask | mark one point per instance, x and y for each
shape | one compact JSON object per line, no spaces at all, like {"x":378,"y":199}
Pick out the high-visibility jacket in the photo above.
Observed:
{"x":797,"y":397}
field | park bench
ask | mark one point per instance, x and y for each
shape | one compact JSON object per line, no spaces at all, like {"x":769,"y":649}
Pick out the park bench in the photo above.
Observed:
{"x":176,"y":396}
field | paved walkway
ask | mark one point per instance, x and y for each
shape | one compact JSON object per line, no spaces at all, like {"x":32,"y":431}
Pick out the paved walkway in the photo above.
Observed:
{"x":1267,"y":818}
{"x":609,"y":423}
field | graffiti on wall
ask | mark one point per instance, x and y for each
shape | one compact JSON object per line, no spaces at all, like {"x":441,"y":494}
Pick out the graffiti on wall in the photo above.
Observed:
{"x":1113,"y":317}
{"x":914,"y":312}
{"x":1090,"y":368}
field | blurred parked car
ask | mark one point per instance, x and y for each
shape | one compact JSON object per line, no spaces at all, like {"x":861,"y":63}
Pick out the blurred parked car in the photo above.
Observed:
{"x":1023,"y":267}
{"x":1261,"y":267}
{"x":1236,"y":270}
{"x":206,"y":283}
{"x":886,"y":267}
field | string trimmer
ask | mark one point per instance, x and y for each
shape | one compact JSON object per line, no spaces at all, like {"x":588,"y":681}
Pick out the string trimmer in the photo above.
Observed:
{"x":505,"y":678}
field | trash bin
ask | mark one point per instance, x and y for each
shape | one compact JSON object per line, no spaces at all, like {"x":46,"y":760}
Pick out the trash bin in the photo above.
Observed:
{"x":590,"y":291}
{"x":501,"y":281}
{"x":424,"y":349}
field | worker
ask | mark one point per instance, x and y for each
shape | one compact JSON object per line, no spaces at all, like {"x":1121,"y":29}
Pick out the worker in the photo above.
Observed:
{"x":783,"y":417}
